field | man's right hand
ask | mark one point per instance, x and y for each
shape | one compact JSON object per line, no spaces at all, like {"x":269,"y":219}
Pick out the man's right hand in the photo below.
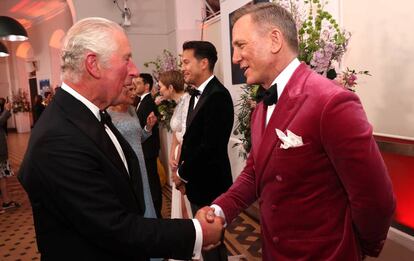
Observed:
{"x":212,"y":227}
{"x":173,"y":164}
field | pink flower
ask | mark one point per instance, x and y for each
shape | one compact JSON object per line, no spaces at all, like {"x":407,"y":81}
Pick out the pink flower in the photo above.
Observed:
{"x":158,"y":100}
{"x":351,"y":80}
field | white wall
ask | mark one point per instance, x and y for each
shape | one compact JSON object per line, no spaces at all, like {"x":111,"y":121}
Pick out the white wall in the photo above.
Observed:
{"x":39,"y":37}
{"x":149,"y":28}
{"x":4,"y":77}
{"x":382,"y":42}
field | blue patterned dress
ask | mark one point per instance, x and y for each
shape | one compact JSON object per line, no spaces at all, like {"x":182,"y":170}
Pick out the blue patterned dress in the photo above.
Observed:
{"x":128,"y":125}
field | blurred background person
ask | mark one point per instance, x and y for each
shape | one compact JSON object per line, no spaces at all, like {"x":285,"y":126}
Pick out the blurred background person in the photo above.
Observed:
{"x":151,"y":146}
{"x":2,"y":103}
{"x":204,"y":165}
{"x":126,"y":121}
{"x":171,"y":85}
{"x":5,"y":169}
{"x":48,"y":98}
{"x":38,"y":108}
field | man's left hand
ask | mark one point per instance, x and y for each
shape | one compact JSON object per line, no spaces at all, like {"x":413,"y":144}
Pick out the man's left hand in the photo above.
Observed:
{"x":151,"y":121}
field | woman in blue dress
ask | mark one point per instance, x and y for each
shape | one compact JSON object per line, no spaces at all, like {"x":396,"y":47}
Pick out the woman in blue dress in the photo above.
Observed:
{"x":126,"y":121}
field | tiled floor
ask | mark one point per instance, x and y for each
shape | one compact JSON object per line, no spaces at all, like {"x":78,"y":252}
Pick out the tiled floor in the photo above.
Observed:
{"x":17,"y":236}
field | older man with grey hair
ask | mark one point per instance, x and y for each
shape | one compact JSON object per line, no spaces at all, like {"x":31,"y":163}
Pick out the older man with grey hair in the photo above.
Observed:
{"x":82,"y":177}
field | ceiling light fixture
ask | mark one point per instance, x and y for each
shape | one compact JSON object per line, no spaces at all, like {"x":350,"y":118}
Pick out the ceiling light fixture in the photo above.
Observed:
{"x":12,"y":30}
{"x":126,"y":13}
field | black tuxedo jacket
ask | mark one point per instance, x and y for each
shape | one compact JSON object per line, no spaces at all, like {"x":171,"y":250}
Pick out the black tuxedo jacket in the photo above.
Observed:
{"x":150,"y":146}
{"x":204,"y":160}
{"x":85,"y":205}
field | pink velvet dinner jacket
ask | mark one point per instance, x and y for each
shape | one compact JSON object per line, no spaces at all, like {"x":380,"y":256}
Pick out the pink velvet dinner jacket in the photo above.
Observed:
{"x":330,"y":199}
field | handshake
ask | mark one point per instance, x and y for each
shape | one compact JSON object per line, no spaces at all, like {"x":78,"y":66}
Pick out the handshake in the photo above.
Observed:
{"x":212,"y":227}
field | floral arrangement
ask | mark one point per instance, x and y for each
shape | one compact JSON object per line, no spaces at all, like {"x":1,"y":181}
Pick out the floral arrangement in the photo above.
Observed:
{"x":165,"y":110}
{"x":348,"y":78}
{"x":322,"y":45}
{"x":20,"y":102}
{"x":248,"y":99}
{"x":166,"y":62}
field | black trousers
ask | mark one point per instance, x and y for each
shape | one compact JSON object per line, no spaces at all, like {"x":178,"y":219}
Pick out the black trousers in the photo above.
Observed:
{"x":155,"y":184}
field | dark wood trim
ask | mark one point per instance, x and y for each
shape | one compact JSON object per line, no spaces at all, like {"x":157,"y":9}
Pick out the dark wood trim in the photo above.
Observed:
{"x":395,"y":145}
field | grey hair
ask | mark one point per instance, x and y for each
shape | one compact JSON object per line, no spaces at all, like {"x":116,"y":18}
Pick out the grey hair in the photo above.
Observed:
{"x":270,"y":14}
{"x":92,"y":34}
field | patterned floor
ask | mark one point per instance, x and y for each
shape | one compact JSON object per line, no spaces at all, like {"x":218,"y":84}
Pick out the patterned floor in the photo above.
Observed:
{"x":17,"y":236}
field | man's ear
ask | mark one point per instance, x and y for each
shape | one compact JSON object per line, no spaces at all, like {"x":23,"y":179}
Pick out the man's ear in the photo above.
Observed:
{"x":92,"y":65}
{"x":277,"y":40}
{"x":204,"y":64}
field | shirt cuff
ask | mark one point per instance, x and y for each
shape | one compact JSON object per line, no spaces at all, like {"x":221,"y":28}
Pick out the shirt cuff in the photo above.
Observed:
{"x":218,"y":211}
{"x":178,"y":174}
{"x":199,"y":239}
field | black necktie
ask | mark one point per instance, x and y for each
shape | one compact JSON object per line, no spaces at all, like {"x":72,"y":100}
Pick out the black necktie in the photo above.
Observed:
{"x":135,"y":177}
{"x":270,"y":95}
{"x":106,"y":120}
{"x":137,"y":100}
{"x":130,"y":156}
{"x":194,"y":93}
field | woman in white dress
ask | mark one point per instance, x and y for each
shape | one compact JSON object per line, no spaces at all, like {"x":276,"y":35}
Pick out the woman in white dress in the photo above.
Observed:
{"x":171,"y":85}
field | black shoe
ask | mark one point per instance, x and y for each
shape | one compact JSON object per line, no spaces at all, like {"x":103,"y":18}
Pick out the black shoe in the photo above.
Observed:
{"x":11,"y":204}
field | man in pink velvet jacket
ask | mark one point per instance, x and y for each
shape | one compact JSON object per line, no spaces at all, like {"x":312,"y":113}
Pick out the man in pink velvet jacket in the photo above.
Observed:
{"x":315,"y":169}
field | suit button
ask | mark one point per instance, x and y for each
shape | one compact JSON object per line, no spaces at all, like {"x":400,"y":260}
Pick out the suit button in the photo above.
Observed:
{"x":279,"y":178}
{"x":274,"y":207}
{"x":275,"y":240}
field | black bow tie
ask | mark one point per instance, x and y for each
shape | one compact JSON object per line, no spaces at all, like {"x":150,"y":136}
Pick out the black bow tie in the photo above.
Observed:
{"x":194,"y":92}
{"x":105,"y":118}
{"x":270,"y":95}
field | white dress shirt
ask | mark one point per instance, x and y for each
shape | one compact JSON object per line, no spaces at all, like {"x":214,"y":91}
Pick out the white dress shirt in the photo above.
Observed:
{"x":281,"y":80}
{"x":142,"y":97}
{"x":201,"y":89}
{"x":95,"y":110}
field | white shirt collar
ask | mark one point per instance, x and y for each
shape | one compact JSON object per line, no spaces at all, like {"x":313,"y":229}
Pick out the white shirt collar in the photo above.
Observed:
{"x":204,"y":84}
{"x":143,"y":96}
{"x":283,"y":78}
{"x":92,"y":107}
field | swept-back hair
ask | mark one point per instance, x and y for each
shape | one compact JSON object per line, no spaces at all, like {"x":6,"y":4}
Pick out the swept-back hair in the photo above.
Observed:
{"x":93,"y":34}
{"x":203,"y":49}
{"x":267,"y":15}
{"x":147,"y":79}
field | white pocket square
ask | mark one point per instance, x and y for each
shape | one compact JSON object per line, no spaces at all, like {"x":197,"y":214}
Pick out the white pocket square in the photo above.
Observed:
{"x":291,"y":140}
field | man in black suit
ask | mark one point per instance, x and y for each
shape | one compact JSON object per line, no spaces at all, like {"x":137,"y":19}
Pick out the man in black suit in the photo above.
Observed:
{"x":204,"y":169}
{"x":82,"y":177}
{"x":151,"y":146}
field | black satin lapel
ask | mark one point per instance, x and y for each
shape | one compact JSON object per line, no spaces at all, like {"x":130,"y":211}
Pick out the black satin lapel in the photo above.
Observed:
{"x":84,"y":119}
{"x":133,"y":168}
{"x":202,"y":100}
